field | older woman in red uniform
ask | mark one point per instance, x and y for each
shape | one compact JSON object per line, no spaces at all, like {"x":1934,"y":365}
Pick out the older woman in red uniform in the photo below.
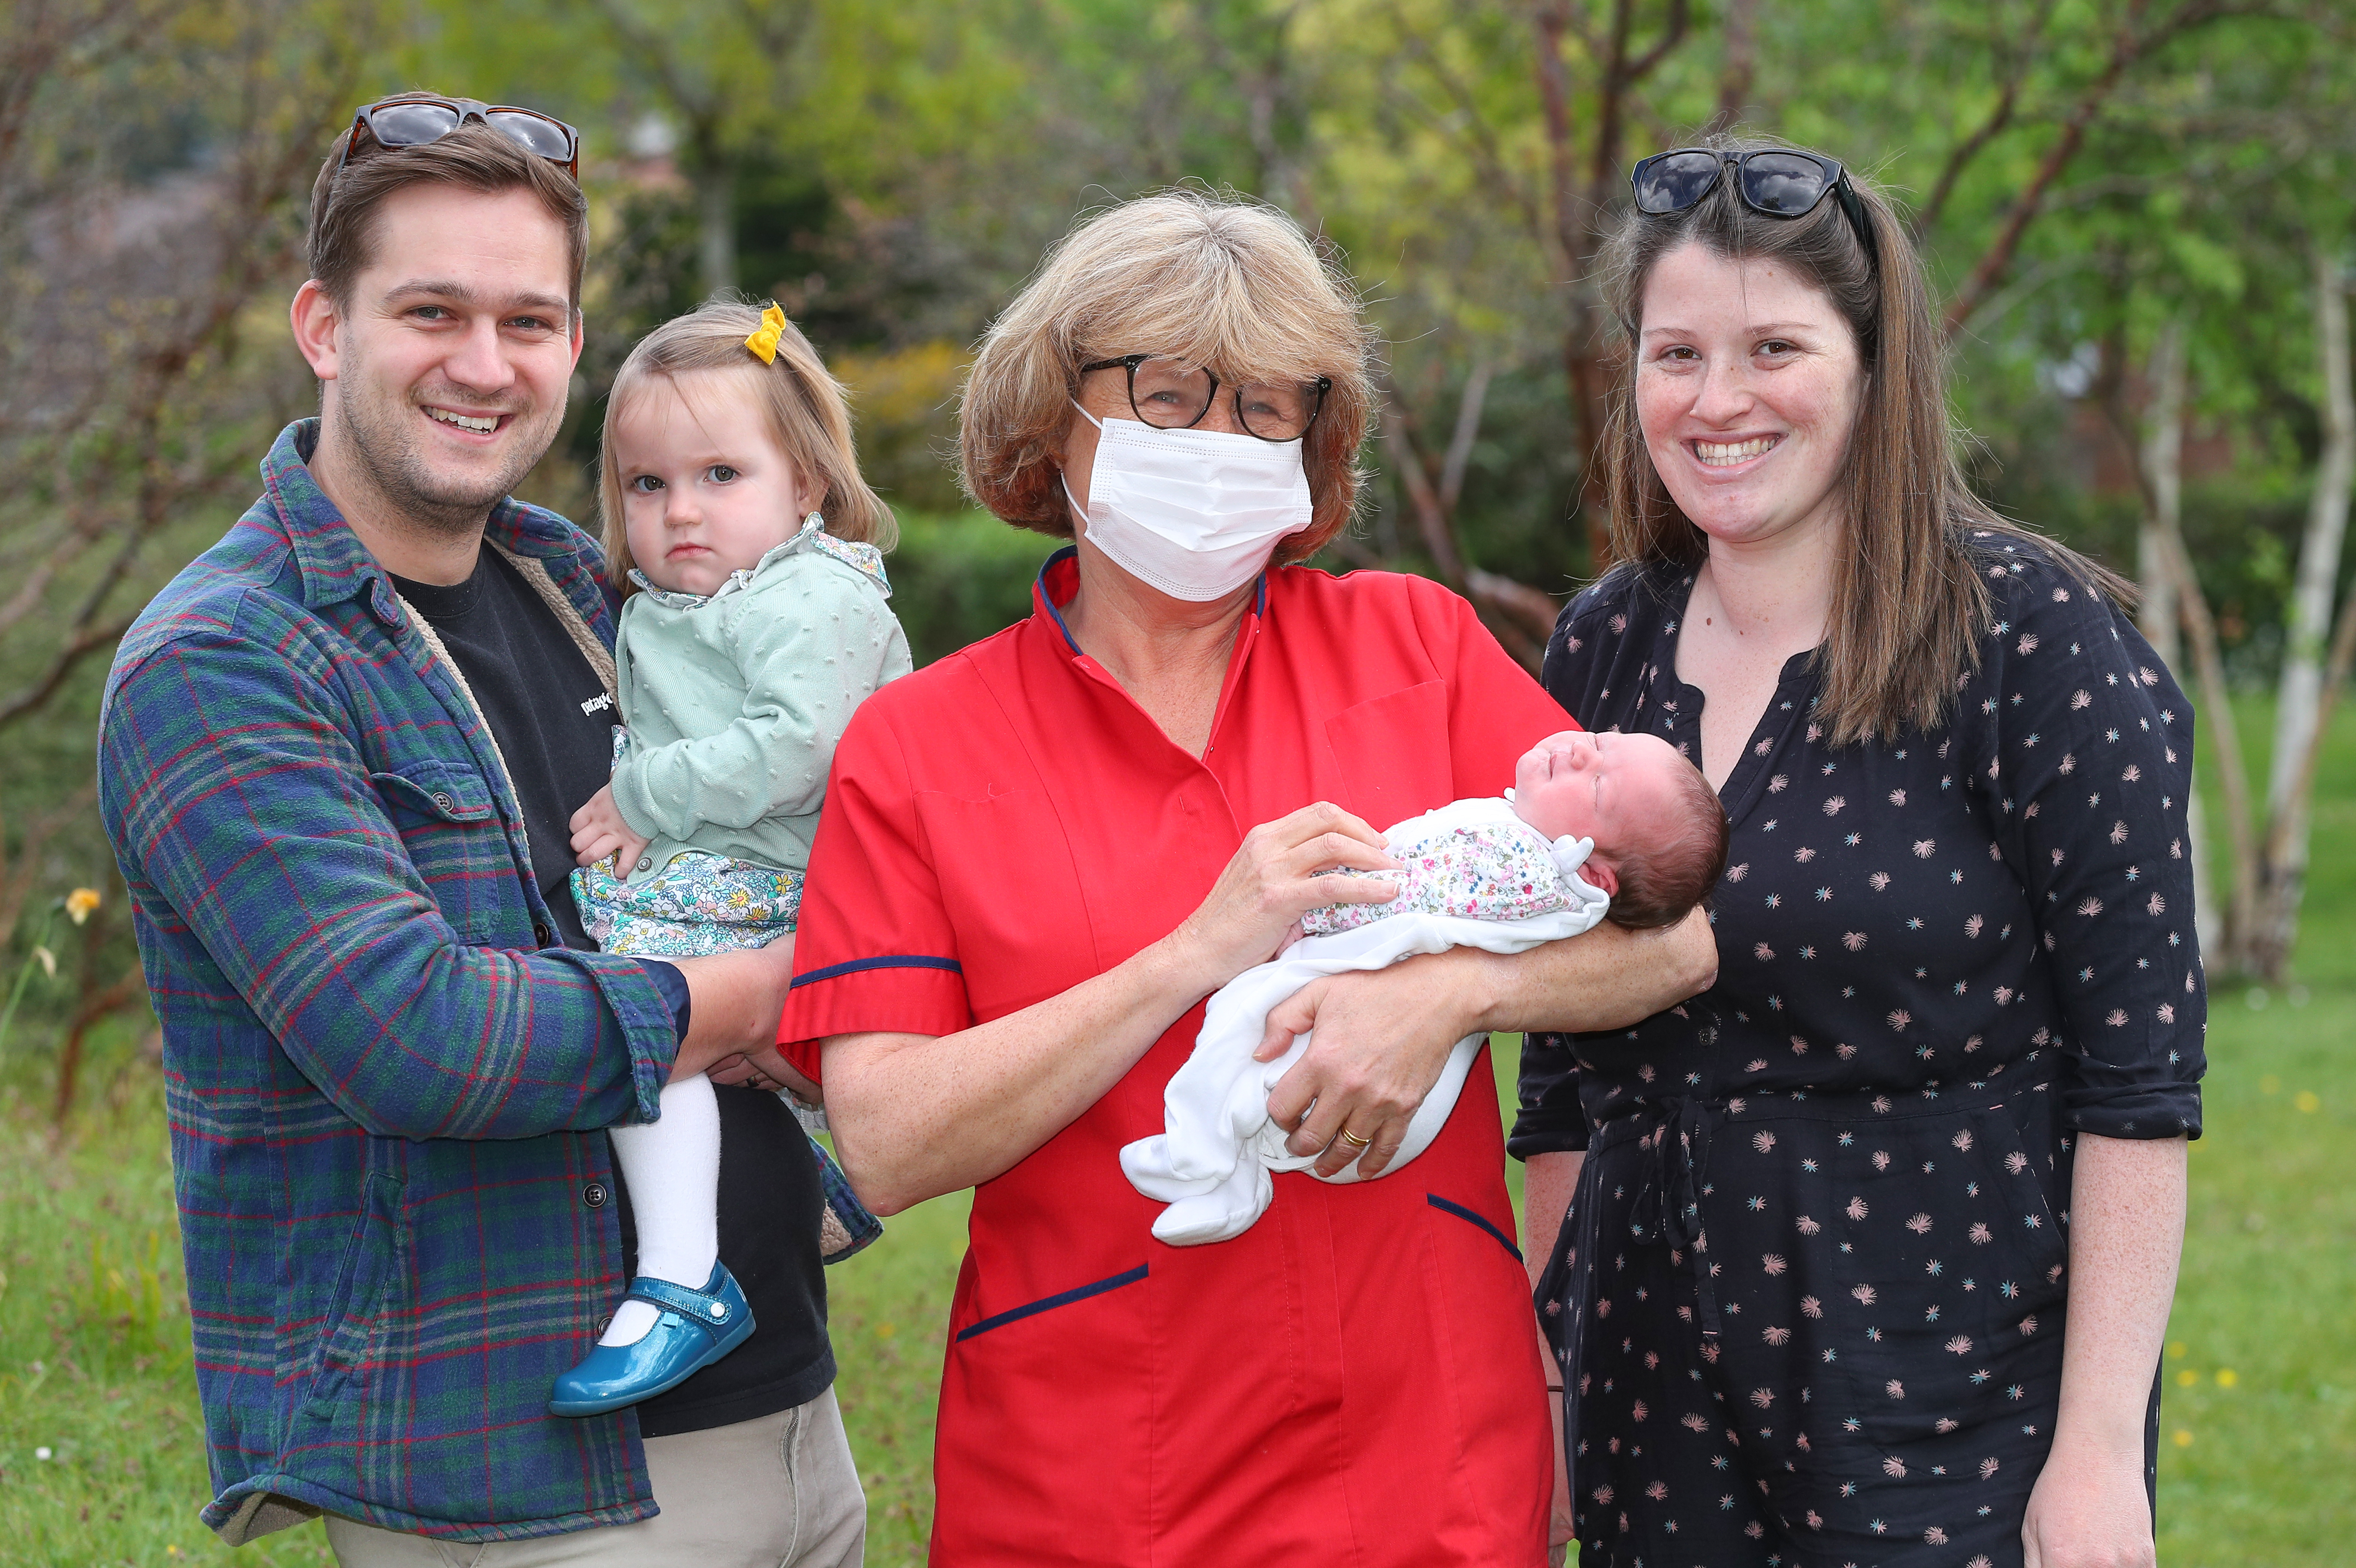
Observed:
{"x":1039,"y":855}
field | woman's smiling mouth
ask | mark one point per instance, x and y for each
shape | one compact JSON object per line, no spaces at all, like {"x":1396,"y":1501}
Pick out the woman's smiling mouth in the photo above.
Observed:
{"x":1726,"y":455}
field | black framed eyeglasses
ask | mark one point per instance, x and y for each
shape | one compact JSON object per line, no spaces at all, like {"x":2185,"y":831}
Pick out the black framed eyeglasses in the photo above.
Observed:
{"x":414,"y":119}
{"x":1171,"y":394}
{"x":1781,"y":182}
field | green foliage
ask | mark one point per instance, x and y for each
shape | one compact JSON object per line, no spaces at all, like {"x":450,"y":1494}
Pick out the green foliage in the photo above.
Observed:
{"x":959,"y":578}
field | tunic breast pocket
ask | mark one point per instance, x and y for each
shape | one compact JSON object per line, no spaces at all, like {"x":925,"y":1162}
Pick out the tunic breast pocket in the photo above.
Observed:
{"x":1392,"y":754}
{"x":1011,"y":893}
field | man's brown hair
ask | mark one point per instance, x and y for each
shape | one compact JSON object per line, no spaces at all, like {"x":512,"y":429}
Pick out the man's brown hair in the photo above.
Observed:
{"x":347,"y":192}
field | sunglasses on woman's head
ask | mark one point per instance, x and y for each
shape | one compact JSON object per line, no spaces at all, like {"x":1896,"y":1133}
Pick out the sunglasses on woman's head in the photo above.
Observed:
{"x":414,"y":119}
{"x":1781,"y":182}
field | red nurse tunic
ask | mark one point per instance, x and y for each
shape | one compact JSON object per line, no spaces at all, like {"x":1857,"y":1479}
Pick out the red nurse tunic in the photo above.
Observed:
{"x":1356,"y":1379}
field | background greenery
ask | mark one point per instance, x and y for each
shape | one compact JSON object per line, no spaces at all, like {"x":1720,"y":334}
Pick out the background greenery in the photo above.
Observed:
{"x":2086,"y":177}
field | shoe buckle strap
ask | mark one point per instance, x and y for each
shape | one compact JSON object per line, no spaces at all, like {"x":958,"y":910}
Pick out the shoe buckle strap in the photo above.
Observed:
{"x":706,"y":1312}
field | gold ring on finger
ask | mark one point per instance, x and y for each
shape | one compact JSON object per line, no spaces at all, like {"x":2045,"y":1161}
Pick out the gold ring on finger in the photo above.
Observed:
{"x":1353,"y":1140}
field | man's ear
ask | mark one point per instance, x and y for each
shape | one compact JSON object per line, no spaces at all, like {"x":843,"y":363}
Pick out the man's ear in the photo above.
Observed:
{"x":315,"y":319}
{"x":580,"y":334}
{"x":1599,"y":876}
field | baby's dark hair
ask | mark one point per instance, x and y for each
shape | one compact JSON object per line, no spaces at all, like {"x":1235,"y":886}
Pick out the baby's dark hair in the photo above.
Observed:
{"x":1659,"y":883}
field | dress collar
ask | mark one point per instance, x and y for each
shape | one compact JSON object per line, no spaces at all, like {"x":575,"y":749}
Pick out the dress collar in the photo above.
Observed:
{"x":1059,"y":579}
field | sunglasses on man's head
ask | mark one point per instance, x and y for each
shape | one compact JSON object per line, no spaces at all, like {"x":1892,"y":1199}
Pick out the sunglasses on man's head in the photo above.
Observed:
{"x":415,"y":119}
{"x":1781,"y":182}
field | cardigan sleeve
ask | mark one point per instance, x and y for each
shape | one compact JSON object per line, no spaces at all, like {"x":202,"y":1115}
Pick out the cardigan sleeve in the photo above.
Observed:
{"x":804,"y":673}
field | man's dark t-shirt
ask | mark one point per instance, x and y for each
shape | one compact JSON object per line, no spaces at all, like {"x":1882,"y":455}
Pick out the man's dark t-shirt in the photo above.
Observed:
{"x":554,"y":727}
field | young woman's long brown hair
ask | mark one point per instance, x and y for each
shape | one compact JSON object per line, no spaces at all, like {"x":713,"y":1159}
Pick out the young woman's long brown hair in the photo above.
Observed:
{"x":1908,"y":606}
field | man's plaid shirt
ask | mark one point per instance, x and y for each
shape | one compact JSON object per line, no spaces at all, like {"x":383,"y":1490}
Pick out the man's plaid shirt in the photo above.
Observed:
{"x":385,"y":1084}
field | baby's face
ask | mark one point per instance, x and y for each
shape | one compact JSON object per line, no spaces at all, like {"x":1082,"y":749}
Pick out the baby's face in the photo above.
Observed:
{"x":1618,"y":790}
{"x":705,"y":489}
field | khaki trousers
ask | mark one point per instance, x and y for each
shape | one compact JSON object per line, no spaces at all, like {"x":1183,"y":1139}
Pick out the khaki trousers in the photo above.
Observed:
{"x":778,"y":1492}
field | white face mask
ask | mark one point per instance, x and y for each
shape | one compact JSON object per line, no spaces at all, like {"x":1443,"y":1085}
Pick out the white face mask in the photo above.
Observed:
{"x":1195,"y":513}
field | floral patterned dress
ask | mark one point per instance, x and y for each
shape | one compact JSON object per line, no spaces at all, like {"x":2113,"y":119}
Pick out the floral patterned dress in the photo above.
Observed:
{"x":1810,"y":1294}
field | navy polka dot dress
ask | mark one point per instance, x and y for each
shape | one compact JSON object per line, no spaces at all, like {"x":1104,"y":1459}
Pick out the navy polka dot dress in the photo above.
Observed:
{"x":1810,"y":1295}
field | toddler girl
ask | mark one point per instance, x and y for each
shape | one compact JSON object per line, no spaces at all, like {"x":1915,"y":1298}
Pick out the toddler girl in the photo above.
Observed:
{"x":735,"y":509}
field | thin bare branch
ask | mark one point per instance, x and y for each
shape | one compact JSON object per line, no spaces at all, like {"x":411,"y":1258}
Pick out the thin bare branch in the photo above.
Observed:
{"x":2015,"y":62}
{"x":1460,"y":439}
{"x":2127,"y":47}
{"x":1480,"y":138}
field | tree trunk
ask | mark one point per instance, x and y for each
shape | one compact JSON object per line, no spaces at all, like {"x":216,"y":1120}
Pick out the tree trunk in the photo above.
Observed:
{"x":1742,"y":62}
{"x":2233,"y":773}
{"x":2161,"y":455}
{"x":715,"y":223}
{"x":2301,"y":690}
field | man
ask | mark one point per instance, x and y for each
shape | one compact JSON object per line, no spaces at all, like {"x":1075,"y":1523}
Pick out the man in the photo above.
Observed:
{"x":337,"y":761}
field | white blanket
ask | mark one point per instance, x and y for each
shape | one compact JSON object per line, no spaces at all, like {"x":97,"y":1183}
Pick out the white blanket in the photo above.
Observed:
{"x":1211,"y":1164}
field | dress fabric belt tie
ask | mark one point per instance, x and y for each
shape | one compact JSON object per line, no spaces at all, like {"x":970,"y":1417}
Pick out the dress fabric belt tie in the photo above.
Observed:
{"x":1668,"y":1210}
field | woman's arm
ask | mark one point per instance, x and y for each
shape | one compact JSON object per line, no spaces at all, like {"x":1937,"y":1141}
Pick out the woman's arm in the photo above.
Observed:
{"x":916,"y":1115}
{"x":1382,"y":1038}
{"x":1547,"y":1184}
{"x":2089,"y":1509}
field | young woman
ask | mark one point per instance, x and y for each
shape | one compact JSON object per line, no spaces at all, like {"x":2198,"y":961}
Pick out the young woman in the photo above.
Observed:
{"x":1873,"y":1242}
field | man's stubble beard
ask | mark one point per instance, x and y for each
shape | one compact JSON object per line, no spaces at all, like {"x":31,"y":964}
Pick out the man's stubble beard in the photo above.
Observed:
{"x":383,"y":447}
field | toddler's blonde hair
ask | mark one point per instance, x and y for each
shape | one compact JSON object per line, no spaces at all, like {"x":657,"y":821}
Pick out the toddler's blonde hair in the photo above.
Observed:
{"x":809,"y":417}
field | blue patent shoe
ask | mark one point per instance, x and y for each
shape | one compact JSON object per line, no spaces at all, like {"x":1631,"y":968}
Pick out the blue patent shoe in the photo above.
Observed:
{"x":694,"y":1328}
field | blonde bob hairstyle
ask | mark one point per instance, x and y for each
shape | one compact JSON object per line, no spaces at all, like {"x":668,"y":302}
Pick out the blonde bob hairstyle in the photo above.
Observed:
{"x":809,"y":417}
{"x":1227,"y":285}
{"x":1909,"y":608}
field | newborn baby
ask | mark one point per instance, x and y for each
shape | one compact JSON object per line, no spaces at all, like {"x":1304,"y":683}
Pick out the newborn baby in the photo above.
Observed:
{"x":1595,"y":827}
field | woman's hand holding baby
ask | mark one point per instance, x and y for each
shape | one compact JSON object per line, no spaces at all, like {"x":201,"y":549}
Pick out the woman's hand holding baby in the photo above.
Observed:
{"x":1270,"y":883}
{"x":1382,"y":1039}
{"x":599,"y":834}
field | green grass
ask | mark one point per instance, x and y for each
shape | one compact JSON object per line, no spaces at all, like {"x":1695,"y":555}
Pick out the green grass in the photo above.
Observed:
{"x":94,"y":1362}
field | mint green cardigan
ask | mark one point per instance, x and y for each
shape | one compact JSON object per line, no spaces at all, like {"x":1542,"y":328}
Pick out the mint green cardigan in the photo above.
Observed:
{"x":734,"y":702}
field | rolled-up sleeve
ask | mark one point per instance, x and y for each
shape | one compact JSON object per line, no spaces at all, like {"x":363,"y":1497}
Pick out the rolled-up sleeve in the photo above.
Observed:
{"x":1550,"y":1120}
{"x":243,"y":811}
{"x":2085,"y":750}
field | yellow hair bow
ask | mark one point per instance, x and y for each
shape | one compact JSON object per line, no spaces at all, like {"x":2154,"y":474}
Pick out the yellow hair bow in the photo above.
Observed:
{"x":764,"y":343}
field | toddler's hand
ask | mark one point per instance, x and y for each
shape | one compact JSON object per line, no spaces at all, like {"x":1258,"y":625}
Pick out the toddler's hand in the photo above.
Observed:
{"x":599,"y":834}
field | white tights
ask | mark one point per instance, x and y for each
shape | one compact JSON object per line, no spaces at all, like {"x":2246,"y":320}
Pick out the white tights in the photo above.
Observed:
{"x":671,"y":1167}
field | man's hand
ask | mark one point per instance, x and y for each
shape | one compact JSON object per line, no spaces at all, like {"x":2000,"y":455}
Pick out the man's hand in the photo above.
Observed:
{"x":599,"y":834}
{"x":734,"y":999}
{"x":766,"y":1069}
